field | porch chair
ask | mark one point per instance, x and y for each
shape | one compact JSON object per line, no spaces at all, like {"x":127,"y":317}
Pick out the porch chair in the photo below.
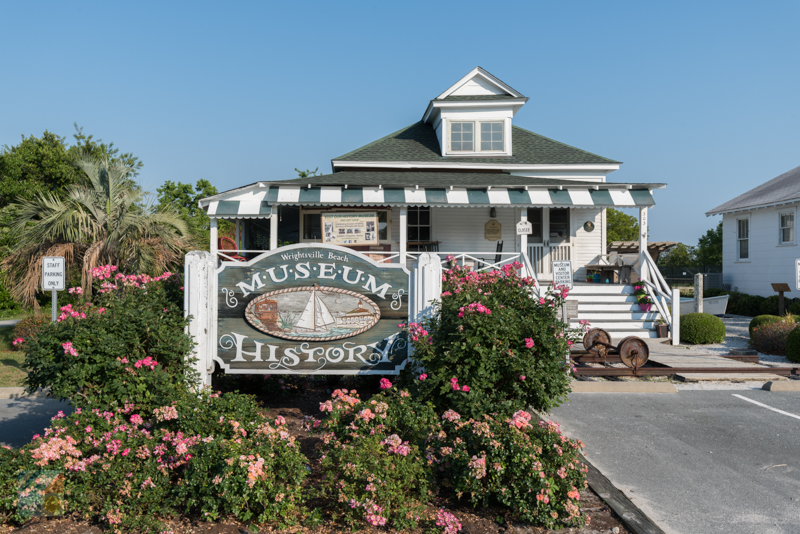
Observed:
{"x":498,"y":255}
{"x":226,"y":243}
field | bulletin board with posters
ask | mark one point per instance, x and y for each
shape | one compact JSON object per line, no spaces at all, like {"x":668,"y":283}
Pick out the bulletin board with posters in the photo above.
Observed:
{"x":348,"y":229}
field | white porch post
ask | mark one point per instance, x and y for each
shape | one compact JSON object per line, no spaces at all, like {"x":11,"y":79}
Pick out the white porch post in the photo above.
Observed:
{"x":273,"y":230}
{"x":213,"y":238}
{"x":237,"y":235}
{"x":676,"y":316}
{"x":643,"y":242}
{"x":199,"y":302}
{"x":403,"y":234}
{"x":523,"y":239}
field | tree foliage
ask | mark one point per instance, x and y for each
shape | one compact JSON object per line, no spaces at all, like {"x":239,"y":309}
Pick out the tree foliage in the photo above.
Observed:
{"x":620,"y":226}
{"x":709,"y":247}
{"x":103,"y":220}
{"x":679,"y":255}
{"x":183,"y":199}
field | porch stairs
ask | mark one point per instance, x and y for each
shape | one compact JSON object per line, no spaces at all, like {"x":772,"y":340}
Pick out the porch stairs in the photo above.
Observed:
{"x":613,"y":308}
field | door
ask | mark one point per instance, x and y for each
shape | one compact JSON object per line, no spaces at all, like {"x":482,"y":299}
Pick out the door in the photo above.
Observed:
{"x":549,"y":240}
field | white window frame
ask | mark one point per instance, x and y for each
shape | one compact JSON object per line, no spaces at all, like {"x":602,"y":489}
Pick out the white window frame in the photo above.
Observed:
{"x":304,"y":212}
{"x":476,"y":137}
{"x":739,"y":240}
{"x":793,"y":241}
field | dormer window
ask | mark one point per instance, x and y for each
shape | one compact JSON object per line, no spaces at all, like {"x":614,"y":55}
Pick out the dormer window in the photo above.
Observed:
{"x":491,"y":136}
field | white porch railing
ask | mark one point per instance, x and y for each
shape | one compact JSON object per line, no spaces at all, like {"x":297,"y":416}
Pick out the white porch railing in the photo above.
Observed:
{"x":663,"y":296}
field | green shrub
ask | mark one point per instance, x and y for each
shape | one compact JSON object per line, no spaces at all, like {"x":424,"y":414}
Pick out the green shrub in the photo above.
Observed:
{"x":373,"y":469}
{"x":770,"y":338}
{"x":714,"y":292}
{"x":129,"y":347}
{"x":492,"y":348}
{"x":208,"y":455}
{"x":532,"y":469}
{"x":28,"y":327}
{"x":794,"y":307}
{"x":769,"y":306}
{"x":702,"y":328}
{"x":8,"y":306}
{"x":762,"y":319}
{"x":793,"y":346}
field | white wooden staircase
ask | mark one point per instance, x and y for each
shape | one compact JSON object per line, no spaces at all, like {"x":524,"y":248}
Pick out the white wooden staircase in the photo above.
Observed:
{"x":613,"y":308}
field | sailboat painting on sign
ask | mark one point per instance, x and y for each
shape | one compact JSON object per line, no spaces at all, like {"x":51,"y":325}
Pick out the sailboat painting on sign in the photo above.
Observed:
{"x":312,"y":313}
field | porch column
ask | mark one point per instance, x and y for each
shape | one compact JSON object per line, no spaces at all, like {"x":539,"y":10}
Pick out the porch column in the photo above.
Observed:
{"x":523,"y":239}
{"x":273,"y":229}
{"x":403,"y":234}
{"x":643,"y":242}
{"x":213,"y":238}
{"x":237,"y":235}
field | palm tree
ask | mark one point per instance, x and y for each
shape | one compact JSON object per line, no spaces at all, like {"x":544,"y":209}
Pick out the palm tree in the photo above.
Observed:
{"x":103,"y":221}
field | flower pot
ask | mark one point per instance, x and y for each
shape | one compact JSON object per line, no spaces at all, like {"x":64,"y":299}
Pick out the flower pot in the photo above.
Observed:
{"x":662,"y":330}
{"x":645,"y":307}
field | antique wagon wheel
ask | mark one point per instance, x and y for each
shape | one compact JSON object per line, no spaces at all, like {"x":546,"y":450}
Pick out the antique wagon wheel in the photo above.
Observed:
{"x":633,"y":352}
{"x":592,"y":337}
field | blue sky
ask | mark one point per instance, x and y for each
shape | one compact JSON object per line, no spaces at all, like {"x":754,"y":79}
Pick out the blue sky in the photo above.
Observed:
{"x":700,"y":95}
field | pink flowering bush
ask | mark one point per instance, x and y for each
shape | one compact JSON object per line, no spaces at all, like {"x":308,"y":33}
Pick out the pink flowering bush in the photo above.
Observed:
{"x":492,"y":347}
{"x":212,"y":456}
{"x":372,"y":466}
{"x":514,"y":461}
{"x":126,"y":345}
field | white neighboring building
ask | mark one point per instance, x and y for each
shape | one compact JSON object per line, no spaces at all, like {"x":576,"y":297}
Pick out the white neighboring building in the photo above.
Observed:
{"x":759,"y":241}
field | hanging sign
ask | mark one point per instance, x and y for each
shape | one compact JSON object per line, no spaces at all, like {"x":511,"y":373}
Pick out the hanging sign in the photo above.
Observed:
{"x":312,"y":309}
{"x":524,"y":228}
{"x":562,"y":273}
{"x":493,"y":230}
{"x":350,"y":228}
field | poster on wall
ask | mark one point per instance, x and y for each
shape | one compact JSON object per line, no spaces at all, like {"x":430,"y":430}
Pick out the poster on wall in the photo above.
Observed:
{"x":312,"y":309}
{"x":350,"y":228}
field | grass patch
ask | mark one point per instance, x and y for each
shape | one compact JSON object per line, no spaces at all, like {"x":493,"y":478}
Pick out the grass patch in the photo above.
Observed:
{"x":12,"y":371}
{"x":6,"y":337}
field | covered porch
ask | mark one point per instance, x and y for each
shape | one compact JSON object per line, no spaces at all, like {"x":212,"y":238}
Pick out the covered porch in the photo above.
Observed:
{"x":476,"y":226}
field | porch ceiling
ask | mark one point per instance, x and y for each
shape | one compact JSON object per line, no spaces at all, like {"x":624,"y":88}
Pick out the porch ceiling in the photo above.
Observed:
{"x":259,"y":204}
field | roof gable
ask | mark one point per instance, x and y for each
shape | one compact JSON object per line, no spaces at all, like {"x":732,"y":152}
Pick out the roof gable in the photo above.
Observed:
{"x":782,"y":189}
{"x":479,"y":82}
{"x":418,"y":143}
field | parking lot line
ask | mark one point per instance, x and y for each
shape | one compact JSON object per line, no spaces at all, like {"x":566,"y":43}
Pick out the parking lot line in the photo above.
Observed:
{"x":767,"y":407}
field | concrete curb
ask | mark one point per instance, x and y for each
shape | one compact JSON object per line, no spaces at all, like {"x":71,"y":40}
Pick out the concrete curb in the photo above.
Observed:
{"x":634,"y":519}
{"x":606,"y":386}
{"x":19,"y":393}
{"x":783,"y":385}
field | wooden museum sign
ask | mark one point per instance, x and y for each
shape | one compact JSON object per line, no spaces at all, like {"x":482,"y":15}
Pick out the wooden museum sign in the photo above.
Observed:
{"x":312,"y":309}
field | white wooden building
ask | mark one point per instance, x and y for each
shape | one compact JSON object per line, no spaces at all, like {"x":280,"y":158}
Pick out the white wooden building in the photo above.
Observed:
{"x":759,"y":242}
{"x":456,"y":182}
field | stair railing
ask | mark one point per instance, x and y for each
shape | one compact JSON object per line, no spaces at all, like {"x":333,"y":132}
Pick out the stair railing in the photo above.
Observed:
{"x":660,"y":292}
{"x":526,"y":263}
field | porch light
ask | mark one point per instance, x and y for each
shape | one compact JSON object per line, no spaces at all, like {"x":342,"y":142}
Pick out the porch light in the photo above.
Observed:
{"x":493,"y":212}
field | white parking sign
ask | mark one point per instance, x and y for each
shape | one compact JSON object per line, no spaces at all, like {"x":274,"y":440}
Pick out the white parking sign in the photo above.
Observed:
{"x":53,"y":273}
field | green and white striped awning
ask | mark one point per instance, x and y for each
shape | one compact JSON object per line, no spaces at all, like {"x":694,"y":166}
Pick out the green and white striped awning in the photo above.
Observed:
{"x":258,"y":204}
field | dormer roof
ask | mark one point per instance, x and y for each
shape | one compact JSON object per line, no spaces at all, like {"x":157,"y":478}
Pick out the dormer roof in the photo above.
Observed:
{"x":418,"y":143}
{"x":478,"y":88}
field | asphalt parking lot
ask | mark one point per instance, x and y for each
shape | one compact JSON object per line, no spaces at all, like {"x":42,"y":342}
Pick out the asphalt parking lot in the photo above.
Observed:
{"x":21,"y":419}
{"x":697,"y":462}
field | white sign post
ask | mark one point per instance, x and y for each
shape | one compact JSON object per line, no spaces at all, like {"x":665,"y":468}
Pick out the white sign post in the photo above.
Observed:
{"x":797,"y":274}
{"x":53,"y":276}
{"x":562,"y":273}
{"x":524,"y":228}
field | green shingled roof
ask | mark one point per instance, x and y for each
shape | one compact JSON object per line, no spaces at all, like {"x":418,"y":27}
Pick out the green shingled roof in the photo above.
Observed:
{"x":418,"y":142}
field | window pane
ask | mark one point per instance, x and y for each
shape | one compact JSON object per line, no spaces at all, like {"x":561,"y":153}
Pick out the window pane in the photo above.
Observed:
{"x":744,"y":249}
{"x":486,"y":145}
{"x":456,"y":127}
{"x":424,"y":233}
{"x":467,"y":146}
{"x":486,"y":136}
{"x":425,"y":216}
{"x":413,"y":233}
{"x":311,"y":226}
{"x":787,"y":235}
{"x":413,"y":216}
{"x":466,"y":127}
{"x":383,"y":225}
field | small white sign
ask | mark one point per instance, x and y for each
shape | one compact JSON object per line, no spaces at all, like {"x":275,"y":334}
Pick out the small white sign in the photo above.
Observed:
{"x":524,"y":228}
{"x":53,"y":273}
{"x":562,"y":273}
{"x":797,"y":274}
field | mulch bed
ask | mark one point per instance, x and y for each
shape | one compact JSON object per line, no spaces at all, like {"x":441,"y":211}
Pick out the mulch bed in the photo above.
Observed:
{"x":294,"y":409}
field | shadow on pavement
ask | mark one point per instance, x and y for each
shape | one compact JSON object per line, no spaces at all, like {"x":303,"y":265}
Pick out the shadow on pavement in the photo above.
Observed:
{"x":21,"y":418}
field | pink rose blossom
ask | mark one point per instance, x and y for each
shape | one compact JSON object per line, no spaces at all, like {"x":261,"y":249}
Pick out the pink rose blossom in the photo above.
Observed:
{"x":385,"y":384}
